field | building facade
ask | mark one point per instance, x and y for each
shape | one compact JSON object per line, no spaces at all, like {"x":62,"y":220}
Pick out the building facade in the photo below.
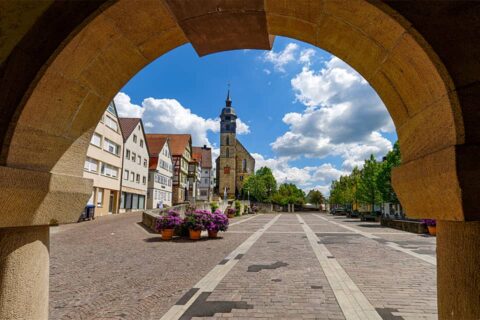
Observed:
{"x":181,"y":150}
{"x":206,"y":175}
{"x":134,"y":182}
{"x":103,"y":163}
{"x":160,"y":173}
{"x":235,"y":163}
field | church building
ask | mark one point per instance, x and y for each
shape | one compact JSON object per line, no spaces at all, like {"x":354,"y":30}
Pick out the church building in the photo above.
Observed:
{"x":235,"y":163}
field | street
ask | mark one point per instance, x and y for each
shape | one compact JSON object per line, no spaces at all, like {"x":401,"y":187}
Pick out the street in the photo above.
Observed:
{"x":267,"y":266}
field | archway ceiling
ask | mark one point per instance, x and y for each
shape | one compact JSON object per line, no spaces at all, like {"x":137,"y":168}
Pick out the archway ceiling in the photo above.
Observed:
{"x":222,"y":25}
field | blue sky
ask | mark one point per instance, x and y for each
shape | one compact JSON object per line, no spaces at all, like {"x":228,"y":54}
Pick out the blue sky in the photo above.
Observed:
{"x":303,"y":112}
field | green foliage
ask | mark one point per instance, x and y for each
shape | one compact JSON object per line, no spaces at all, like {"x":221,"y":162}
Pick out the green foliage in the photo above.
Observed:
{"x":384,"y":179}
{"x":315,"y":197}
{"x":288,"y":193}
{"x":261,"y":185}
{"x":368,"y":191}
{"x":370,"y":185}
{"x":214,"y":206}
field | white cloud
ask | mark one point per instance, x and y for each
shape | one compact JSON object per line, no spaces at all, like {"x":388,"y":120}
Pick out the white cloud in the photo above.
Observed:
{"x":306,"y":56}
{"x":307,"y":178}
{"x":169,"y":116}
{"x":282,"y":58}
{"x":267,"y":71}
{"x":343,"y":116}
{"x":126,"y":108}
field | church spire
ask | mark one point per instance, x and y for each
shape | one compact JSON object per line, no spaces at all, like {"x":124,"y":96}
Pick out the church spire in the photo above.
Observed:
{"x":228,"y":102}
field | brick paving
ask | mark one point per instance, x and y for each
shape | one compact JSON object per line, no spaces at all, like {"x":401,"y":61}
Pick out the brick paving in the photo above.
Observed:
{"x":111,"y":268}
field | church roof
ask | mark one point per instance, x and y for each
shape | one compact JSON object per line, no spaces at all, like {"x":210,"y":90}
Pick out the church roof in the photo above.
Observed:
{"x":239,"y":145}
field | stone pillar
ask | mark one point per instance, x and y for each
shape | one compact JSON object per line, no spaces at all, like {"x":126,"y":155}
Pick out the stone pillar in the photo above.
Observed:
{"x":24,"y":272}
{"x":458,"y":269}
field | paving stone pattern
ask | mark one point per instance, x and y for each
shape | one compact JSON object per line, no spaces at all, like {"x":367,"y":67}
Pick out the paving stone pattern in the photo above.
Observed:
{"x":111,"y":268}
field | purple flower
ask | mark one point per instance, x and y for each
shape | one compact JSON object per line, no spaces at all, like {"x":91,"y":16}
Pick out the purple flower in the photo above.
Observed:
{"x":430,"y":222}
{"x":171,"y":220}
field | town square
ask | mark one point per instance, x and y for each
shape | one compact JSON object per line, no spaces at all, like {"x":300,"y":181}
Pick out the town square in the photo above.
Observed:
{"x":243,"y":159}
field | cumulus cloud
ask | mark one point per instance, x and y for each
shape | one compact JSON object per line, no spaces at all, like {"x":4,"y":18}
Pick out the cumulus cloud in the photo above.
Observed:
{"x":309,"y":177}
{"x":169,"y":116}
{"x":282,"y":58}
{"x":343,"y":116}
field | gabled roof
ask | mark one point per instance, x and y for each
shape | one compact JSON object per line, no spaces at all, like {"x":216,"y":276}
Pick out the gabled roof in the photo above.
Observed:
{"x":152,"y":164}
{"x":128,"y":125}
{"x":205,"y":156}
{"x":239,"y":145}
{"x":155,"y":144}
{"x":176,"y":142}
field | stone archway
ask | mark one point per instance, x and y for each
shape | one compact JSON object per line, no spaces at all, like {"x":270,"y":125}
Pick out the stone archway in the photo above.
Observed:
{"x":50,"y":116}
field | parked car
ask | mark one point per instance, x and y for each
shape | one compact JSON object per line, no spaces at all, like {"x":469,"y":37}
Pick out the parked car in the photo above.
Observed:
{"x":353,"y":214}
{"x":338,"y":211}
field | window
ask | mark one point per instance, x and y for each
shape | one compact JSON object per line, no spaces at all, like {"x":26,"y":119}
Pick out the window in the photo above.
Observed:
{"x":112,"y":124}
{"x":127,"y":154}
{"x":132,"y":177}
{"x":108,"y":170}
{"x":226,"y":170}
{"x":96,"y":140}
{"x":244,"y":165}
{"x":99,"y":197}
{"x":227,"y":141}
{"x":228,"y":153}
{"x":206,"y":180}
{"x":241,"y":178}
{"x":111,"y":147}
{"x":134,"y":156}
{"x":145,"y":163}
{"x":138,"y":178}
{"x":125,"y":175}
{"x":144,"y":180}
{"x":134,"y":201}
{"x":111,"y":108}
{"x":91,"y":165}
{"x":135,"y":138}
{"x":141,"y":202}
{"x":139,"y":160}
{"x":227,"y":127}
{"x":141,"y":143}
{"x":122,"y":201}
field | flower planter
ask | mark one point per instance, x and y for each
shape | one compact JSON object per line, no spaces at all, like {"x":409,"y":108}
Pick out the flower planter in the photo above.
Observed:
{"x":432,"y":230}
{"x":194,"y":234}
{"x":167,"y":234}
{"x":212,"y":234}
{"x":230,"y":216}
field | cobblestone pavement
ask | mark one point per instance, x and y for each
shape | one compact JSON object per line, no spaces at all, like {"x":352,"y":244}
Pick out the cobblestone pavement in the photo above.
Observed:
{"x":289,"y":266}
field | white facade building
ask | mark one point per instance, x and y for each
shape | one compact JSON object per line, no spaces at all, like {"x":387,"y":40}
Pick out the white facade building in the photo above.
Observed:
{"x":206,"y":182}
{"x":103,"y":163}
{"x":134,"y":183}
{"x":160,"y":173}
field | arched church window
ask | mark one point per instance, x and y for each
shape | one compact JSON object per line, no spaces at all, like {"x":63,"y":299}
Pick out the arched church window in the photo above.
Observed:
{"x":228,"y":153}
{"x":228,"y":140}
{"x":244,"y":165}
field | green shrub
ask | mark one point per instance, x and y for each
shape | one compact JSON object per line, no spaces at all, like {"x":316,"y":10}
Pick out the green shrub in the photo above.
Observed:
{"x":214,"y":206}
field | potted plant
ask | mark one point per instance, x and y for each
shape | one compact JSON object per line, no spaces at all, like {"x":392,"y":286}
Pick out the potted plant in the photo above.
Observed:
{"x":166,"y":224}
{"x":216,"y":221}
{"x":431,"y":225}
{"x":254,"y":209}
{"x":195,"y":223}
{"x":231,"y":212}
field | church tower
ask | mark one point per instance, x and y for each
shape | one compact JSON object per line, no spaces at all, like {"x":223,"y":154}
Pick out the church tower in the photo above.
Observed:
{"x":226,"y":167}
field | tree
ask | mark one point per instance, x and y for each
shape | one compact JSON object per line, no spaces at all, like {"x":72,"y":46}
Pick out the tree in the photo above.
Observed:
{"x":368,"y":191}
{"x":288,"y":193}
{"x":262,"y":185}
{"x":384,"y":180}
{"x":266,"y":175}
{"x":315,"y":197}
